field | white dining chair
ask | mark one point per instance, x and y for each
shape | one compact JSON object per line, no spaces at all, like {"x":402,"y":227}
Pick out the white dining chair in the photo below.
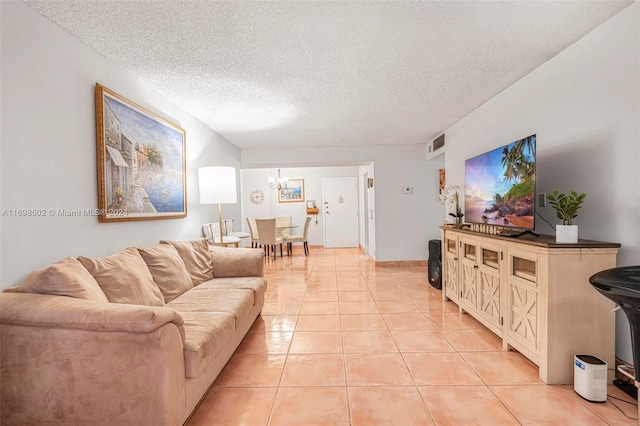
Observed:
{"x":212,"y":233}
{"x":300,"y":238}
{"x":283,"y":224}
{"x":253,"y":231}
{"x":228,"y":230}
{"x":267,"y":236}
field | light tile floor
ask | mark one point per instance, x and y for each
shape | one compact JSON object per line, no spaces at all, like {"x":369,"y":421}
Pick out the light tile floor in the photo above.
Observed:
{"x":341,"y":342}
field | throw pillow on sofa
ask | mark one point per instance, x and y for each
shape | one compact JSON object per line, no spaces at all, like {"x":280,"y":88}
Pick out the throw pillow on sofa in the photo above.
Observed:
{"x":124,"y":278}
{"x":196,"y":257}
{"x":65,"y":278}
{"x":167,"y":269}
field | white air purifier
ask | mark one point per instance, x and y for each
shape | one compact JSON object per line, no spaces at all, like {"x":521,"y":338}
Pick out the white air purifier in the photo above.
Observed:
{"x":590,"y":378}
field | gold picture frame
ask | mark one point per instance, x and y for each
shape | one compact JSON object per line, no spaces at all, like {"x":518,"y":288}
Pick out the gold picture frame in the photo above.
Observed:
{"x":293,"y":193}
{"x":141,"y":162}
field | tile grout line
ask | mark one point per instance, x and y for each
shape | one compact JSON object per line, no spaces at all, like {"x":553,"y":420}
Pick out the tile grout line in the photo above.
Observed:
{"x":344,"y":356}
{"x":340,"y":314}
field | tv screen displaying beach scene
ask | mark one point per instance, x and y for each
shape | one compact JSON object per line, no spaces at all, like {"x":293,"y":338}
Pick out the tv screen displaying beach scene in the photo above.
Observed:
{"x":499,"y":185}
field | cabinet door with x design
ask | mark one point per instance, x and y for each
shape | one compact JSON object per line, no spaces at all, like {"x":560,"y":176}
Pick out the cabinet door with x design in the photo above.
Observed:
{"x":523,"y":330}
{"x":480,"y":277}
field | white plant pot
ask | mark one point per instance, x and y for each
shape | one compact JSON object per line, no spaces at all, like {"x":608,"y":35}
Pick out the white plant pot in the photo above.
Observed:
{"x":566,"y":233}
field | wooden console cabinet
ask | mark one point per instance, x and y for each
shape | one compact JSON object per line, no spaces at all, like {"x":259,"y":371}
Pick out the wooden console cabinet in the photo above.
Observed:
{"x":534,"y":294}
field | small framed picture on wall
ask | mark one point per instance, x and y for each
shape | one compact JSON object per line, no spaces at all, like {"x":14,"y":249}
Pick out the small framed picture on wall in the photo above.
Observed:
{"x":294,"y":192}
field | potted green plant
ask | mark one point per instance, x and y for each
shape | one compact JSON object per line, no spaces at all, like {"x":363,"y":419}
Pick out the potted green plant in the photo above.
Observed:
{"x":566,"y":207}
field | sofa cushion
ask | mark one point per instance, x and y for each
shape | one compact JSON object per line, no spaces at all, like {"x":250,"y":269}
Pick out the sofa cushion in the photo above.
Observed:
{"x":196,"y":257}
{"x":124,"y":278}
{"x":233,"y":262}
{"x":206,"y":333}
{"x":257,"y":285}
{"x":237,"y":302}
{"x":65,"y":278}
{"x":167,"y":269}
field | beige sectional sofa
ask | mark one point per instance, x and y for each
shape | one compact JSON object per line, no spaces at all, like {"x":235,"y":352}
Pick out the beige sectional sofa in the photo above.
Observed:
{"x":135,"y":338}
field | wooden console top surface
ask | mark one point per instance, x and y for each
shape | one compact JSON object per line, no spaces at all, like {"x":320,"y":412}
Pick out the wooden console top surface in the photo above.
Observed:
{"x":548,"y":241}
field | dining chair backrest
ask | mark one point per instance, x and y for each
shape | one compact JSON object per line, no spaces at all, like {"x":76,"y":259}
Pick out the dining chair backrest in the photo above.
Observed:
{"x":227,"y":226}
{"x":283,"y":222}
{"x":213,"y":234}
{"x":214,"y":228}
{"x":253,"y":228}
{"x":306,"y":227}
{"x":206,"y":230}
{"x":253,"y":235}
{"x":211,"y":230}
{"x":266,"y":231}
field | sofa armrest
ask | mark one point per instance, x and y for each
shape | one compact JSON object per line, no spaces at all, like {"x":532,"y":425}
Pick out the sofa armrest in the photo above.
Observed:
{"x":70,"y":313}
{"x":237,"y":262}
{"x":73,"y":361}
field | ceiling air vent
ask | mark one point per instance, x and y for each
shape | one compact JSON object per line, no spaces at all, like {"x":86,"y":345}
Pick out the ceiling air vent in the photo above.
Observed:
{"x":438,"y":142}
{"x":435,"y":147}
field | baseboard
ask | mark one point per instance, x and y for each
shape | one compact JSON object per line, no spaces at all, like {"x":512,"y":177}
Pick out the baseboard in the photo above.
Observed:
{"x":299,"y":246}
{"x":404,"y":263}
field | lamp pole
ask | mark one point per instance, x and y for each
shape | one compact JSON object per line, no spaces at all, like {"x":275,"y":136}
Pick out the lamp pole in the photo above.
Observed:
{"x":220,"y":221}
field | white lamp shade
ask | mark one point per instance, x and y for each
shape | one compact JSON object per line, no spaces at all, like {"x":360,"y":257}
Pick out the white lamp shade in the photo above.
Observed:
{"x":217,"y":185}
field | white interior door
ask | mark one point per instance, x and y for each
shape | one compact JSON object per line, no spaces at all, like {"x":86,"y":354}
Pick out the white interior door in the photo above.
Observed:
{"x":340,"y":210}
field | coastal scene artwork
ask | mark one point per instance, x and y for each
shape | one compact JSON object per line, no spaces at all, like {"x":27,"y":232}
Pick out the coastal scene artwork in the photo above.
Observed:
{"x":141,"y":162}
{"x":500,"y":185}
{"x":294,"y":191}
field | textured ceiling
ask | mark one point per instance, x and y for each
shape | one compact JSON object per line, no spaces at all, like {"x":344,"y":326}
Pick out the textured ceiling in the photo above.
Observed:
{"x":285,"y":74}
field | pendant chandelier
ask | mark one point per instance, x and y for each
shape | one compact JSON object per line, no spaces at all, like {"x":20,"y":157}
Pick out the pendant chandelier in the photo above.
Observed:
{"x":279,"y":182}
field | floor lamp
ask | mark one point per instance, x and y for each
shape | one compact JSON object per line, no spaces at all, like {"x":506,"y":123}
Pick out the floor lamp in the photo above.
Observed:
{"x":217,"y":186}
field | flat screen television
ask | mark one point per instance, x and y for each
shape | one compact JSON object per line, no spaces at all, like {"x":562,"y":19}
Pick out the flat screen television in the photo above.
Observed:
{"x":500,"y":186}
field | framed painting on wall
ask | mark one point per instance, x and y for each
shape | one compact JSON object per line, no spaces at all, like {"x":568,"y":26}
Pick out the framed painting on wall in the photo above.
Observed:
{"x":141,"y":162}
{"x":294,"y":192}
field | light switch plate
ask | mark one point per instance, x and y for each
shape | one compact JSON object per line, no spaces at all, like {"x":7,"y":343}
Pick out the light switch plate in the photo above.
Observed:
{"x":542,"y":200}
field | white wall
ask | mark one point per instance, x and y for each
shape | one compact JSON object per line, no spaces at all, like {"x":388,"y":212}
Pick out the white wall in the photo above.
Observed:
{"x":329,"y":156}
{"x":253,"y":179}
{"x":49,"y":155}
{"x":584,"y":106}
{"x":406,"y":222}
